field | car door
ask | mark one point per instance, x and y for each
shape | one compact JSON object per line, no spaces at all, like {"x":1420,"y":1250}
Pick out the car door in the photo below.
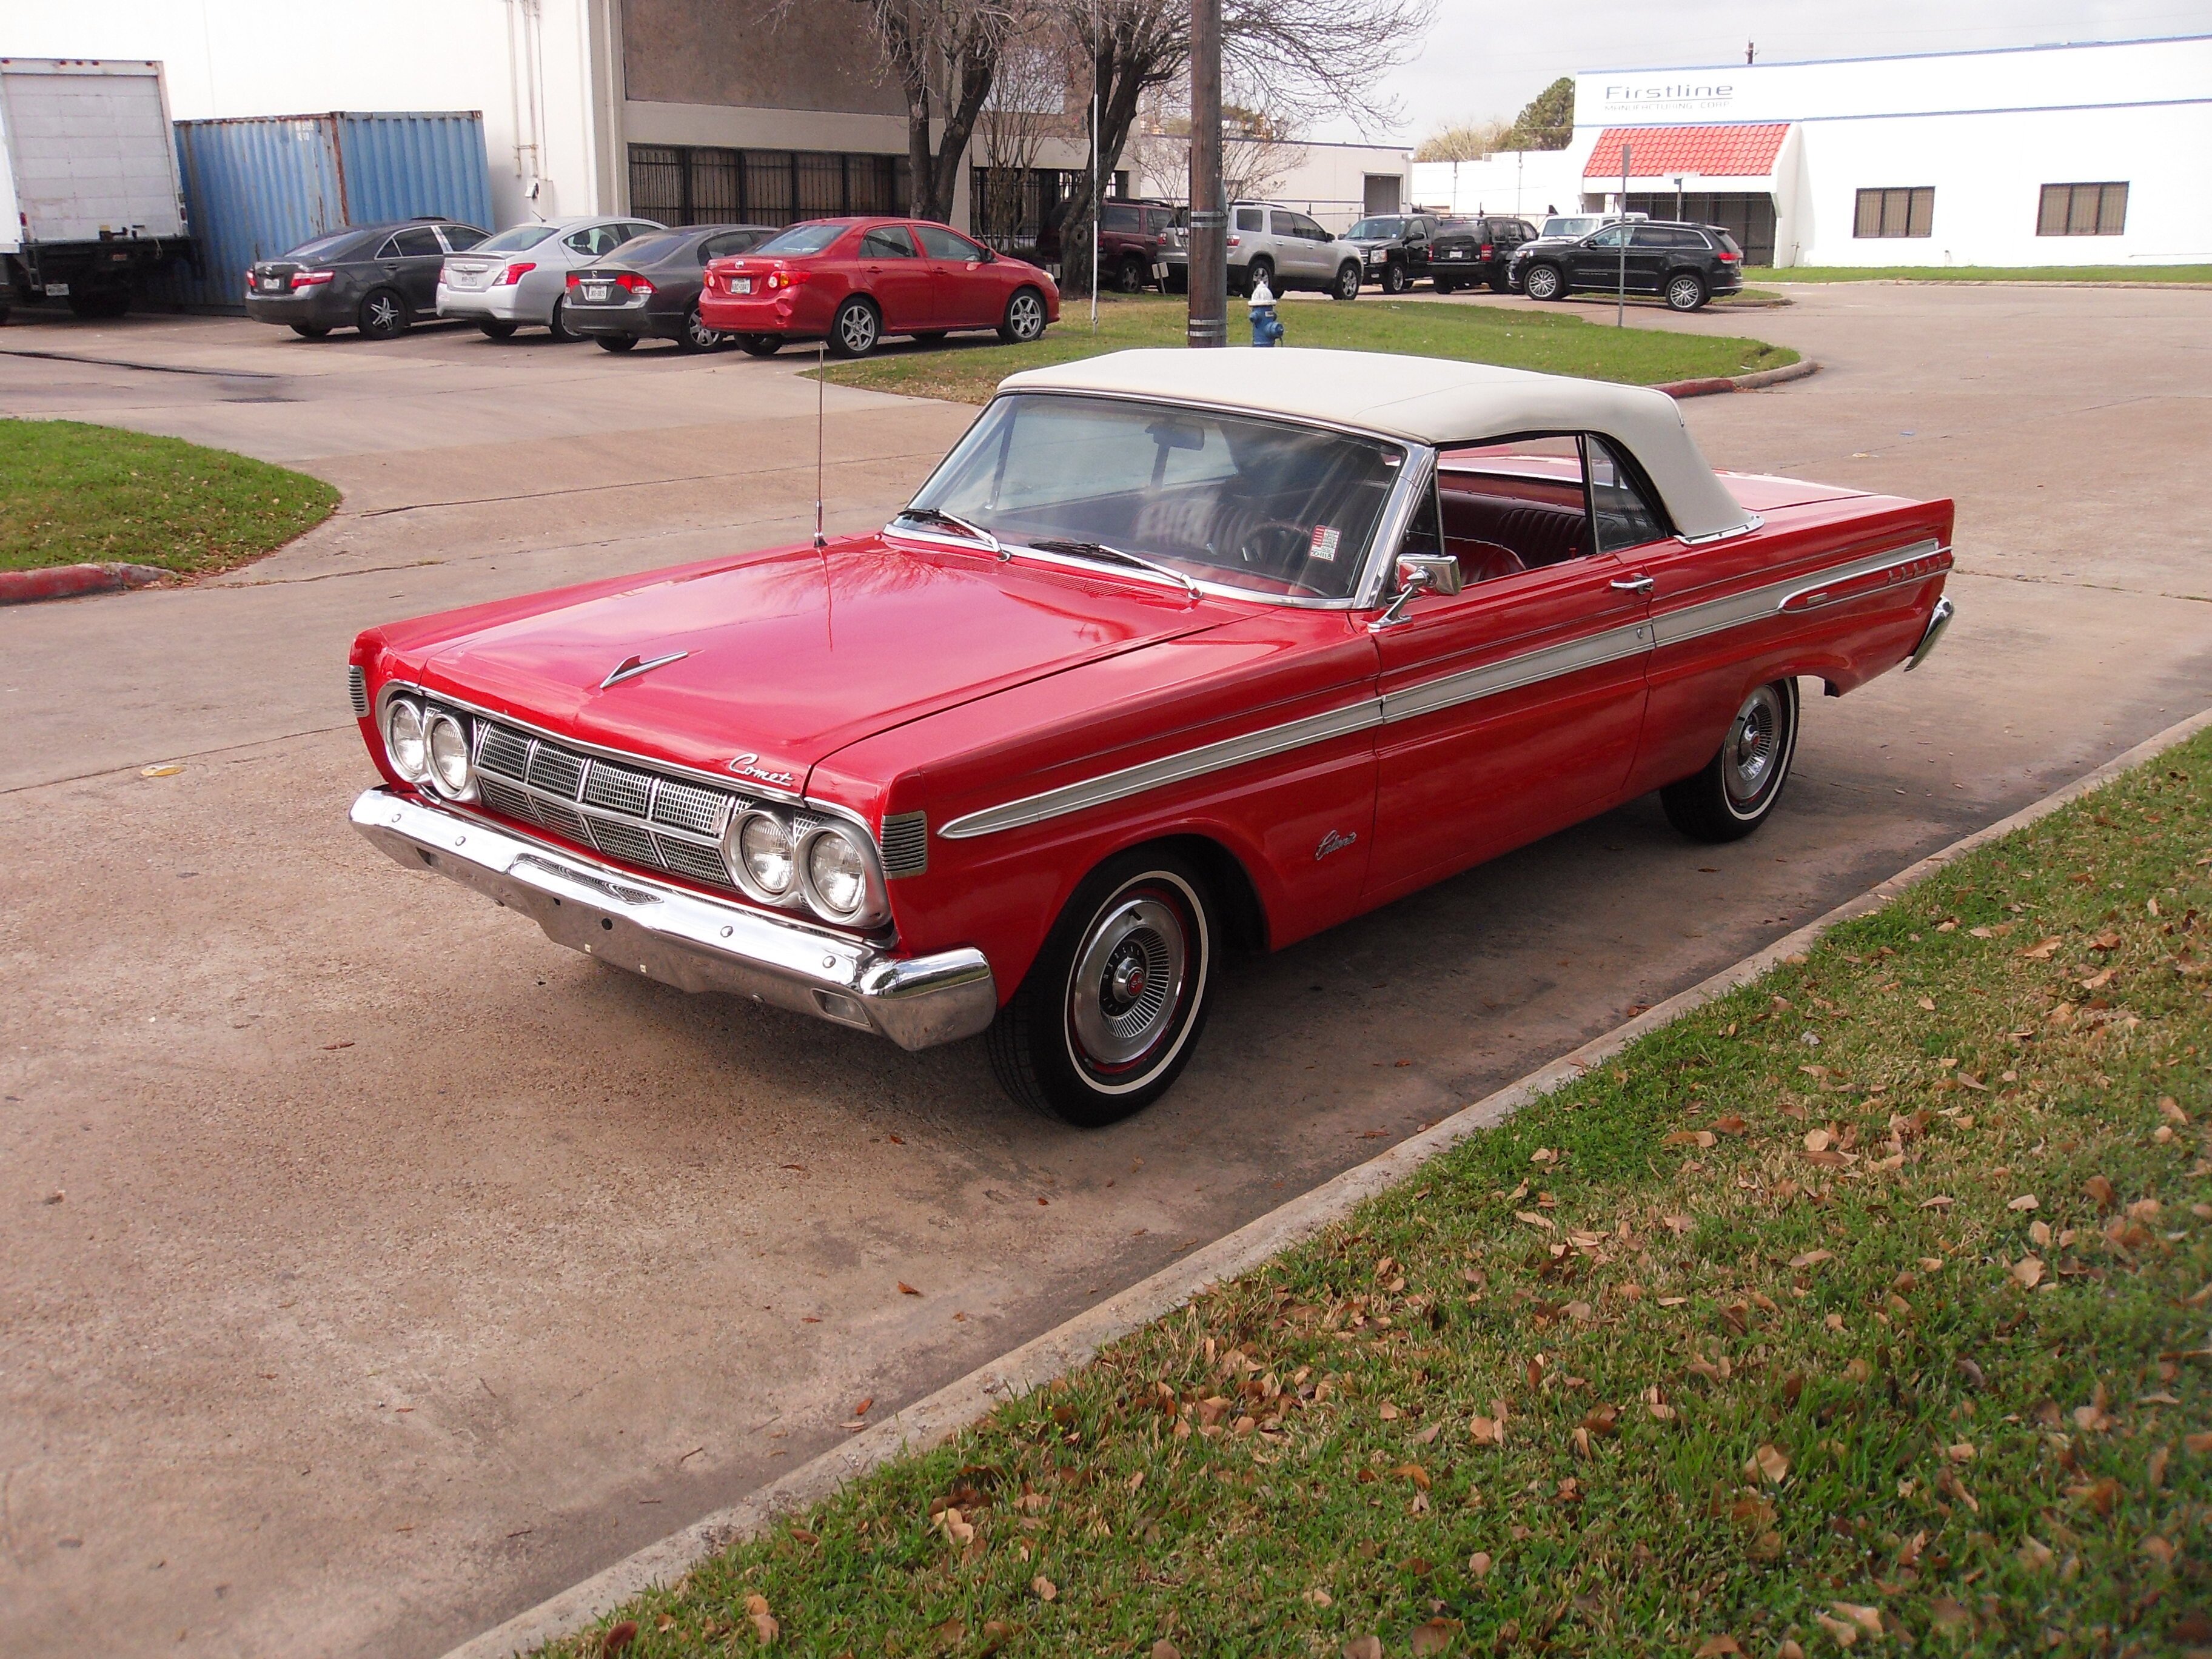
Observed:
{"x":409,"y":259}
{"x":1596,"y":260}
{"x":1651,"y":249}
{"x":964,"y":290}
{"x":1293,"y":252}
{"x":894,"y":272}
{"x":1513,"y":707}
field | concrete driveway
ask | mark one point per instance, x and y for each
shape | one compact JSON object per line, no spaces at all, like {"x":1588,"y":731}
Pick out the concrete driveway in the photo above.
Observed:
{"x":370,"y":1267}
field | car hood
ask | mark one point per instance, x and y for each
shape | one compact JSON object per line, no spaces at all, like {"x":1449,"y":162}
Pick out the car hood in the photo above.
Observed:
{"x":781,"y":658}
{"x":1548,"y":242}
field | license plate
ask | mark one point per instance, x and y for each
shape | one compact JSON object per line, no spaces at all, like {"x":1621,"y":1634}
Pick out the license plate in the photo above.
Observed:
{"x":1457,"y":253}
{"x":58,"y":290}
{"x":597,"y":291}
{"x":272,"y":284}
{"x":741,"y":284}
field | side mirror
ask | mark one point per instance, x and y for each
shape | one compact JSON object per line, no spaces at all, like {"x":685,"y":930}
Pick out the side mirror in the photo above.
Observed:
{"x":1419,"y":573}
{"x":990,"y":256}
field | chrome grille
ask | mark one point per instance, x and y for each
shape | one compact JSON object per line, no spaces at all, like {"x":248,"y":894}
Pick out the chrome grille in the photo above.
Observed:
{"x":906,"y":844}
{"x":641,"y":818}
{"x":357,"y":690}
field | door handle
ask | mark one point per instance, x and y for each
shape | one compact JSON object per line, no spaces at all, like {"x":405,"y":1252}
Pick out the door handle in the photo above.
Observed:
{"x":1632,"y":584}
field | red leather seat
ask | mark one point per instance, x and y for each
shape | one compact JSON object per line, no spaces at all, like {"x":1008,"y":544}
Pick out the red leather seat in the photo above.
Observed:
{"x":1482,"y":561}
{"x":1535,"y":532}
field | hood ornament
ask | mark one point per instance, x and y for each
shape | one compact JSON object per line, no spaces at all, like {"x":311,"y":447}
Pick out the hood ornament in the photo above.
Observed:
{"x":631,"y":667}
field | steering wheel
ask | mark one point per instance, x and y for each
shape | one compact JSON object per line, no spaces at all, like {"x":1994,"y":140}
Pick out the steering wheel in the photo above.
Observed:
{"x":1276,"y":546}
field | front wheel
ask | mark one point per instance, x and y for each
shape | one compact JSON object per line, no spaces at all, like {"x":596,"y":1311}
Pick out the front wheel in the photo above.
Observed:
{"x":311,"y":331}
{"x":616,"y":342}
{"x":1023,"y":322}
{"x":496,"y":330}
{"x":1133,"y":276}
{"x":383,"y":315}
{"x":697,"y":336}
{"x":1500,"y":283}
{"x":1346,"y":285}
{"x":760,"y":345}
{"x":1394,"y":279}
{"x":1544,"y":283}
{"x":1736,"y":789}
{"x":1444,"y":284}
{"x":1686,"y":291}
{"x":557,"y":324}
{"x":1113,"y":1005}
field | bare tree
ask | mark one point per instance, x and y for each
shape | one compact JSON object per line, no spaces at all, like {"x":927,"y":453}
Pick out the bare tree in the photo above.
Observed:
{"x":1257,"y":148}
{"x":1464,"y":140}
{"x":1027,"y":106}
{"x":1295,"y":59}
{"x":946,"y":54}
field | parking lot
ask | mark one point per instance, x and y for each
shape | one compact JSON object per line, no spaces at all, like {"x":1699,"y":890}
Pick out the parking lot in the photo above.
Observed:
{"x":372,"y":1268}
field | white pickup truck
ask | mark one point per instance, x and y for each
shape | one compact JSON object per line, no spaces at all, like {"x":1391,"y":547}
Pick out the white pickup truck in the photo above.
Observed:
{"x":89,"y":194}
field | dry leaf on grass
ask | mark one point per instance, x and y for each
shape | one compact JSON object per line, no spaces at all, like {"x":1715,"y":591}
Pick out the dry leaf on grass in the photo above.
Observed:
{"x":1165,"y":1648}
{"x":2028,"y":1270}
{"x":2044,"y":950}
{"x":1479,"y":1564}
{"x":616,"y":1637}
{"x":1843,"y":1629}
{"x":1867,"y":1619}
{"x":1947,"y":1613}
{"x":1812,"y":1259}
{"x":2033,"y":1553}
{"x":1770,"y":1462}
{"x":1435,"y":1636}
{"x":1717,"y":1647}
{"x":1704,"y":1140}
{"x":1363,"y":1647}
{"x":1535,"y":1220}
{"x":2025,"y":1201}
{"x":1044,"y":1589}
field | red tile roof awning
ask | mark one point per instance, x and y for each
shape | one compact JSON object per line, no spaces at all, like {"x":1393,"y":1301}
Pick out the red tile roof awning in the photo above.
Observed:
{"x":1715,"y":152}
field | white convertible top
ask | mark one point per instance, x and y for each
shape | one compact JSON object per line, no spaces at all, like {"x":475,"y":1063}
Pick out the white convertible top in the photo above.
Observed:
{"x":1426,"y":400}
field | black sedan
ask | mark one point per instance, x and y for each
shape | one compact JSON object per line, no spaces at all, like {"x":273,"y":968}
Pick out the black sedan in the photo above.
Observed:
{"x":648,"y":288}
{"x":377,"y":278}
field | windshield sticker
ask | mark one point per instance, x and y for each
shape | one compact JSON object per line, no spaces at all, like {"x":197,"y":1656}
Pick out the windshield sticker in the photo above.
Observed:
{"x":1325,"y":538}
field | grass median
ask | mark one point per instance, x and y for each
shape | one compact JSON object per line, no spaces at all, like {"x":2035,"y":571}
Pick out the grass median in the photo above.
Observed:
{"x":967,"y":368}
{"x":2201,"y":273}
{"x":75,"y":493}
{"x":1867,"y":1306}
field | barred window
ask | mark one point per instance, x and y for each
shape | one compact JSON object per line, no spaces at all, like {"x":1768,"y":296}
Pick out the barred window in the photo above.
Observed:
{"x":2100,"y":209}
{"x":1909,"y":211}
{"x":702,"y":184}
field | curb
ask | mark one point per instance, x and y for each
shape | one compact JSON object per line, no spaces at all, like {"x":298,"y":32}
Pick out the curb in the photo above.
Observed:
{"x":935,"y":1419}
{"x":1752,"y":382}
{"x":67,"y":581}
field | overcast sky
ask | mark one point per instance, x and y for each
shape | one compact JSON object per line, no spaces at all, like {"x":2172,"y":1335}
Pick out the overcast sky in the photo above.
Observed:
{"x":1483,"y":59}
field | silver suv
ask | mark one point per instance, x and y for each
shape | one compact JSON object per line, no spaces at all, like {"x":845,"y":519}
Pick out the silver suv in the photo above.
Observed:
{"x":1290,"y":248}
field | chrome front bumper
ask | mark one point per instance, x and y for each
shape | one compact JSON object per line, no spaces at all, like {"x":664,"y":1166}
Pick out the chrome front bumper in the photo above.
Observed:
{"x":1936,"y":623}
{"x":688,"y":940}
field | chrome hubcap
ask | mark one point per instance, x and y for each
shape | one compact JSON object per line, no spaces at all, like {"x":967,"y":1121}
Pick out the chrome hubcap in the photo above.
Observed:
{"x":1685,"y":292}
{"x":1755,"y":747}
{"x":1128,"y":982}
{"x":1540,"y":284}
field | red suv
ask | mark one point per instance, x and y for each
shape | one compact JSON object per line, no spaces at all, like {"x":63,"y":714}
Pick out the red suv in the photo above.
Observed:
{"x":1129,"y":239}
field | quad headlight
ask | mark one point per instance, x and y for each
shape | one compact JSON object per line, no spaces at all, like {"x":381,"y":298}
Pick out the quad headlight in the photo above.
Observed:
{"x":804,"y":863}
{"x":404,"y":740}
{"x":448,"y":741}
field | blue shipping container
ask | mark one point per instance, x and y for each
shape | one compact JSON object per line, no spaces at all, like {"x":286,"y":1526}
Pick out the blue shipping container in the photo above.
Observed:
{"x":257,"y":186}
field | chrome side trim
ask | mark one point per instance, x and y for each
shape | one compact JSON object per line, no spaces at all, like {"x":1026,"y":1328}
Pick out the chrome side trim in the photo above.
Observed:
{"x":1170,"y":768}
{"x":630,"y":669}
{"x":1708,"y":538}
{"x":1510,"y":673}
{"x":1409,"y":702}
{"x":686,"y":939}
{"x":1936,"y":623}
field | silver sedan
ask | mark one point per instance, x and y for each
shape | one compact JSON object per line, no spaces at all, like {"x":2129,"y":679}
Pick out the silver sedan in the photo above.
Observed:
{"x":519,"y":278}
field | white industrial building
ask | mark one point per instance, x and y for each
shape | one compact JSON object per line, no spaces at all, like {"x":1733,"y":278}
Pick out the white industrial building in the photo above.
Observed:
{"x":2092,"y":155}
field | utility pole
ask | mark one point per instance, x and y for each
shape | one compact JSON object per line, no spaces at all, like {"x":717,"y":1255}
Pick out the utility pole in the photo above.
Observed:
{"x":1209,"y":219}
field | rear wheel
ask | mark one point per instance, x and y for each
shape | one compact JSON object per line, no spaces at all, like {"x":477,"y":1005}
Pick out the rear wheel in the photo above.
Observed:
{"x":1686,"y":291}
{"x":935,"y":337}
{"x":1024,"y":319}
{"x":697,"y":337}
{"x":1113,"y":1005}
{"x":557,"y":324}
{"x":1736,"y":789}
{"x":311,"y":331}
{"x":616,"y":342}
{"x":856,"y":329}
{"x":1133,"y":276}
{"x":1259,"y":271}
{"x":496,"y":330}
{"x":1544,"y":283}
{"x":1394,"y":280}
{"x":1444,"y":284}
{"x":1500,"y":283}
{"x":760,"y":345}
{"x":1346,"y":285}
{"x":383,"y":315}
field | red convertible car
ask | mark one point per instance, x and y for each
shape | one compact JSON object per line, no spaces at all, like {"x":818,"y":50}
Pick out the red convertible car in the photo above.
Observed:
{"x":851,"y":282}
{"x":1176,"y":653}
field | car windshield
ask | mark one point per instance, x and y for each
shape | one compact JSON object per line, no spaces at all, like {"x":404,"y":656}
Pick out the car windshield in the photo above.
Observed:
{"x":1569,"y":227}
{"x":1375,"y":230}
{"x":514,"y":239}
{"x":324,"y":246}
{"x":1272,"y":508}
{"x":802,"y":239}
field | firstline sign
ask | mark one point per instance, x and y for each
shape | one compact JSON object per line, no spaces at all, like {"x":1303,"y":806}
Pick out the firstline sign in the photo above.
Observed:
{"x":1631,"y":94}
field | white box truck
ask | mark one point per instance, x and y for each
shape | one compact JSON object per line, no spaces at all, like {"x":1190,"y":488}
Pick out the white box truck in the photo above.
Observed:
{"x":90,"y":196}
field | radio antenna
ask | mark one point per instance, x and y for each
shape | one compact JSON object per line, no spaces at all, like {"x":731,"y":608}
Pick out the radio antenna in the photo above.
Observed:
{"x":821,"y":392}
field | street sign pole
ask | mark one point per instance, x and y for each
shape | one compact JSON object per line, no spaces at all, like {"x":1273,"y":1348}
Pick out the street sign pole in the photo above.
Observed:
{"x":1208,"y":324}
{"x":1620,"y":302}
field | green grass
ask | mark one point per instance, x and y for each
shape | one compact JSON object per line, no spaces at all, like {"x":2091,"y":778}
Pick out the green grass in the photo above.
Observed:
{"x":1872,"y":1294}
{"x":1985,"y":274}
{"x":968,"y":370}
{"x":74,"y":493}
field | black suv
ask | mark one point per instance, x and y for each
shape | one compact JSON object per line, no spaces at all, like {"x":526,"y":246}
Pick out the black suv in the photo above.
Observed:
{"x":1465,"y":252}
{"x":377,"y":278}
{"x":1393,"y":248}
{"x":1684,"y":265}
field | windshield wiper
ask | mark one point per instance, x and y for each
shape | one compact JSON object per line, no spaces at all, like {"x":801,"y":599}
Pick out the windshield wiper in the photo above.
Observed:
{"x":1100,"y":550}
{"x":951,"y":521}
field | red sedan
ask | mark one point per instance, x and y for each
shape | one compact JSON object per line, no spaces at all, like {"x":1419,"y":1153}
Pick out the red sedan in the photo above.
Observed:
{"x":851,"y":282}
